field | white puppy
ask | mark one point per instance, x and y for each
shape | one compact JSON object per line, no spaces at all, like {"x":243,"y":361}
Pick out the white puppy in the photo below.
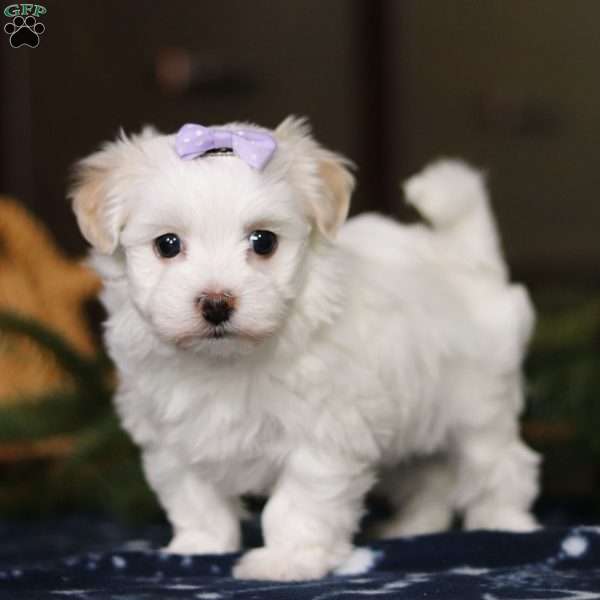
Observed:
{"x":265,"y":347}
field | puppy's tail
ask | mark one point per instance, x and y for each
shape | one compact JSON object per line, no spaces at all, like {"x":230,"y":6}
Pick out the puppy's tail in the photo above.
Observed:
{"x":452,"y":196}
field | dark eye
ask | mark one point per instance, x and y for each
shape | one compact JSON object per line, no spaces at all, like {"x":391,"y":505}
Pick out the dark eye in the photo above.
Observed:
{"x":168,"y":245}
{"x":263,"y":242}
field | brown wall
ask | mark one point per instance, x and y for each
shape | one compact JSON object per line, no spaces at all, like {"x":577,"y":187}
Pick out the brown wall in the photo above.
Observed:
{"x":513,"y":85}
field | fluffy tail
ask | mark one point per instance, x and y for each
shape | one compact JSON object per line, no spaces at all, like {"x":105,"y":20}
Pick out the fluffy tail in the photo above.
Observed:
{"x":452,"y":196}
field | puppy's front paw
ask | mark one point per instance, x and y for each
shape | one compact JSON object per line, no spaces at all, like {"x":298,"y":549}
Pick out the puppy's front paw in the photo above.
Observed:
{"x":198,"y":542}
{"x":293,"y":564}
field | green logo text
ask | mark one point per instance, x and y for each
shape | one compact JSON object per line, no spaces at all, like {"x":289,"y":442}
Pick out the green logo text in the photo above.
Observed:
{"x":22,"y":10}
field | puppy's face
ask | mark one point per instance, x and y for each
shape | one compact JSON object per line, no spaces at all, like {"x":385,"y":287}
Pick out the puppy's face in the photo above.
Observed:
{"x":213,"y":251}
{"x":213,"y":248}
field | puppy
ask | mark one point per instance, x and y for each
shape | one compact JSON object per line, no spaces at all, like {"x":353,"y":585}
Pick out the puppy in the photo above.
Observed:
{"x":264,"y":346}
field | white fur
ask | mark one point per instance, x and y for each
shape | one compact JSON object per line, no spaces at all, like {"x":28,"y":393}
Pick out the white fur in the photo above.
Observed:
{"x":348,"y":357}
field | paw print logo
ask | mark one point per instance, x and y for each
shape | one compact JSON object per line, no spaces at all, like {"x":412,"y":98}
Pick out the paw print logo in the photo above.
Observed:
{"x":24,"y":31}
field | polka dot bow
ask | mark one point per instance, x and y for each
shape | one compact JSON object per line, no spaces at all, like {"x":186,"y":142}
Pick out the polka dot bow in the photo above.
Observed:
{"x":254,"y":147}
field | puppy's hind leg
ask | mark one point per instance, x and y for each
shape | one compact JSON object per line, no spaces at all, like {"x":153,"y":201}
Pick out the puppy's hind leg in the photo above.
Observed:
{"x":420,"y":492}
{"x":497,"y":473}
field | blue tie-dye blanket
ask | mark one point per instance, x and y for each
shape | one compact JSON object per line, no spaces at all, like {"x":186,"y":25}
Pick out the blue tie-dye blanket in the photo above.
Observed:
{"x":78,"y":560}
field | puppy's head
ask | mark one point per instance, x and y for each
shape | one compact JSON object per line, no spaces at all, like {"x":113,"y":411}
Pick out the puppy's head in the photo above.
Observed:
{"x":213,"y":248}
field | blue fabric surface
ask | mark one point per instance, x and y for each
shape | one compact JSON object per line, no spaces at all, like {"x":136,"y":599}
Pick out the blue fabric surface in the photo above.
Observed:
{"x":79,"y":559}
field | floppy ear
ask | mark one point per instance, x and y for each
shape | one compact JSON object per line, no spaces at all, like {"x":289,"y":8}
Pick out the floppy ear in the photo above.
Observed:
{"x":331,"y":210}
{"x":325,"y":176}
{"x":89,"y":201}
{"x":98,"y":206}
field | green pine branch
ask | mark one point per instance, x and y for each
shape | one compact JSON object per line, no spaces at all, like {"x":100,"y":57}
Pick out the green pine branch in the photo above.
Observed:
{"x":88,"y":374}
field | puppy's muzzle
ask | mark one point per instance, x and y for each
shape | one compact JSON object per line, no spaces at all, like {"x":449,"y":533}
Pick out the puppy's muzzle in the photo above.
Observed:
{"x":216,"y":308}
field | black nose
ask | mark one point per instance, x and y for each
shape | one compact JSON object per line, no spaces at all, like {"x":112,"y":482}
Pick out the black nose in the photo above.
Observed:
{"x":216,"y":311}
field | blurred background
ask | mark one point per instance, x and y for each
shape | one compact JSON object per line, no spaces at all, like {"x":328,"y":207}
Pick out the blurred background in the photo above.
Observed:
{"x":510,"y":85}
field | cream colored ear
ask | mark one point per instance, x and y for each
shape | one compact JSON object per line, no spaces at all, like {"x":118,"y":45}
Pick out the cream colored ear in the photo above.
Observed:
{"x":328,"y":188}
{"x":88,"y":199}
{"x":338,"y":183}
{"x":99,"y":210}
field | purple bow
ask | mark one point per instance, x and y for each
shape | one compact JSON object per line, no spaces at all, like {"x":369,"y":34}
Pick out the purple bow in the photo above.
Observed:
{"x":254,"y":147}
